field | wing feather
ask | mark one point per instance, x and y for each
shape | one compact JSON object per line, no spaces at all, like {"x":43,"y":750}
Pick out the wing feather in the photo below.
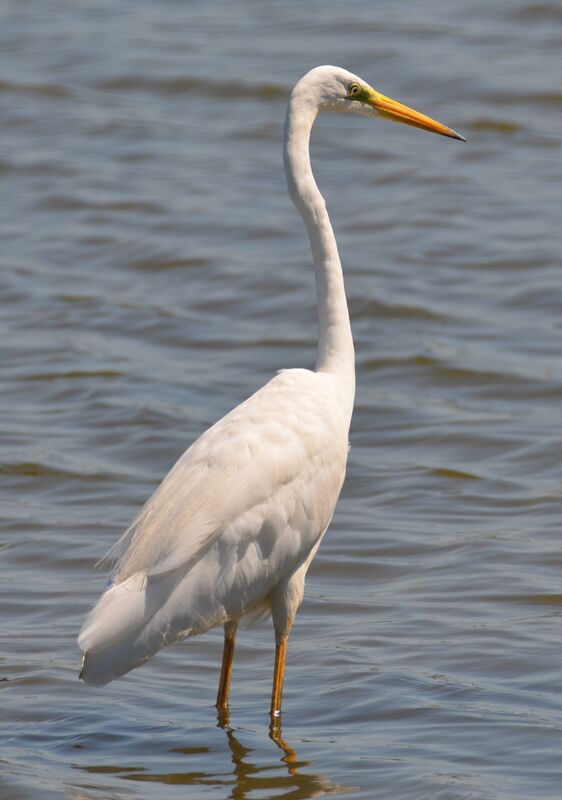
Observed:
{"x":279,"y":444}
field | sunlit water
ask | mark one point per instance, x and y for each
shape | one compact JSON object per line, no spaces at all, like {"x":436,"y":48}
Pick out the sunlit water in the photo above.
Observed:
{"x":154,"y":273}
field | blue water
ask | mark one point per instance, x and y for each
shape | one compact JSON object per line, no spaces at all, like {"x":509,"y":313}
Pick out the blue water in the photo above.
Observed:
{"x":154,"y":273}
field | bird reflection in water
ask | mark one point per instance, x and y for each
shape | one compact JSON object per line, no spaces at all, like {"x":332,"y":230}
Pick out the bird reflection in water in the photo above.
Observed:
{"x":285,"y":778}
{"x":252,"y":779}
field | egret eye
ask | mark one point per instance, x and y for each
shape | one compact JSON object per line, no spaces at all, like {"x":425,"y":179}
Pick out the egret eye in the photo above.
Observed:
{"x":353,"y":90}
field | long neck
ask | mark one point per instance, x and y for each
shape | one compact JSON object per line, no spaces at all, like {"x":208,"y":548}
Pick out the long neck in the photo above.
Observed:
{"x":335,"y":343}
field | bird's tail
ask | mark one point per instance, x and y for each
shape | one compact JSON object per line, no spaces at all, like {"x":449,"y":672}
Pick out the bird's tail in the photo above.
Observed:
{"x":121,"y":632}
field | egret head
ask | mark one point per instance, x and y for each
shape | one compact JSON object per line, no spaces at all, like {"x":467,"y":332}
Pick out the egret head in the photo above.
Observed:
{"x":330,"y":88}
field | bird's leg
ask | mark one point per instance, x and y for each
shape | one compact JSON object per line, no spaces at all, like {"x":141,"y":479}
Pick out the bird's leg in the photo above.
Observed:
{"x":278,"y":676}
{"x":226,"y":669}
{"x":285,"y":601}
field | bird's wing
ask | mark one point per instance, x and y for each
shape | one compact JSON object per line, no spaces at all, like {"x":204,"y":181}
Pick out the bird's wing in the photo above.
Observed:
{"x":286,"y":443}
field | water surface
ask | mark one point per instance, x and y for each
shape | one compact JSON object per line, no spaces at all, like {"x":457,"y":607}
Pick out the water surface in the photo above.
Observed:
{"x":154,"y":273}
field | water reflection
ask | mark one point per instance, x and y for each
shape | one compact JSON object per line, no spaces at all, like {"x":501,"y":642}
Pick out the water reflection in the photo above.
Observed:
{"x":251,"y":778}
{"x":285,"y":777}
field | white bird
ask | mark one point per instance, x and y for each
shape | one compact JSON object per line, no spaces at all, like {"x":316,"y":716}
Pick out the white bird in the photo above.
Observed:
{"x":234,"y":526}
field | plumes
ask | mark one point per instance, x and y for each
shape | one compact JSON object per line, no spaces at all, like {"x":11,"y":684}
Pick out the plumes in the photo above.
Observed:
{"x":239,"y":512}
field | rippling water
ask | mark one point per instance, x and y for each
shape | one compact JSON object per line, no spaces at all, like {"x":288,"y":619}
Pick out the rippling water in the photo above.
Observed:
{"x":154,"y":273}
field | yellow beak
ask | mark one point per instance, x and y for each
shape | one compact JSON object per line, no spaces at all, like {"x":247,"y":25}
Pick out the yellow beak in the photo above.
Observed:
{"x":398,"y":112}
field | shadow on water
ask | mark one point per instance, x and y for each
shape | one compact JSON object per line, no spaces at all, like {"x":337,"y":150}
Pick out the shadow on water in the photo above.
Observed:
{"x":286,"y":777}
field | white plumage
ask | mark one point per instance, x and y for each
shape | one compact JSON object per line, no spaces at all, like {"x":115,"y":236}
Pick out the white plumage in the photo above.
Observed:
{"x":240,"y":511}
{"x":234,"y":525}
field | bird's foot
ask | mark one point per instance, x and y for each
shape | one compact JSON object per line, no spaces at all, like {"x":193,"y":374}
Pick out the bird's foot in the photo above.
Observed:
{"x":275,"y":724}
{"x":223,"y":716}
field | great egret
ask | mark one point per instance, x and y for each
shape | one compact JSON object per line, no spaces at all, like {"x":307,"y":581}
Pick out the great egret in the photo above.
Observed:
{"x":233,"y":527}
